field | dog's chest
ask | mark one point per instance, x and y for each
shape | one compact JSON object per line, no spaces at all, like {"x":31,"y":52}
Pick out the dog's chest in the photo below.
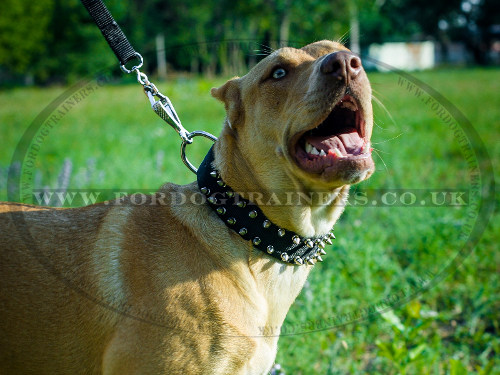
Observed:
{"x":280,"y":284}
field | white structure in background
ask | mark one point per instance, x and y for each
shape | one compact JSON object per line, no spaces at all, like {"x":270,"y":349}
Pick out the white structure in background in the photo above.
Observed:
{"x":404,"y":56}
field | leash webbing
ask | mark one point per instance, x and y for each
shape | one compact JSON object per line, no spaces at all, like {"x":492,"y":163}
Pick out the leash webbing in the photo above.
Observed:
{"x":111,"y":31}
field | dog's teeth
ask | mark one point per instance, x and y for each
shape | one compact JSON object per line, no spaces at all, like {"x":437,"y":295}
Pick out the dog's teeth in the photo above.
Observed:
{"x":337,"y":152}
{"x":309,"y":147}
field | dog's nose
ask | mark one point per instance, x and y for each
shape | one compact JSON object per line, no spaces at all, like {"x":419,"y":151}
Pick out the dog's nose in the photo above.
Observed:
{"x":343,"y":65}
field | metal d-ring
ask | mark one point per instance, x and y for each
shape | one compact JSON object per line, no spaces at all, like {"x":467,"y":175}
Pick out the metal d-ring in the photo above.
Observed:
{"x":138,"y":66}
{"x":185,"y":142}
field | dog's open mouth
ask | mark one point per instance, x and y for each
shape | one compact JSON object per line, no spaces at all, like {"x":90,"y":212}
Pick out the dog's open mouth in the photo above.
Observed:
{"x":338,"y":138}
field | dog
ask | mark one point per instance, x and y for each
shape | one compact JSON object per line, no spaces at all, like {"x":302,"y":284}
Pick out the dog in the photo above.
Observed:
{"x":119,"y":288}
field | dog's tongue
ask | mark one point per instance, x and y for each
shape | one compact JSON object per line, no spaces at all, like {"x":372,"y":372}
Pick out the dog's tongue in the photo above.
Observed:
{"x":349,"y":141}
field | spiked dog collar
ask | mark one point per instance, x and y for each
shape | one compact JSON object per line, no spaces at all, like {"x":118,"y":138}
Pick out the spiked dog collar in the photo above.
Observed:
{"x":247,"y":219}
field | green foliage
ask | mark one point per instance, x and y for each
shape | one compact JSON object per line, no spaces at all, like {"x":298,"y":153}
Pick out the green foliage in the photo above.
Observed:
{"x":75,"y":44}
{"x":53,"y":40}
{"x":24,"y":33}
{"x":406,"y":347}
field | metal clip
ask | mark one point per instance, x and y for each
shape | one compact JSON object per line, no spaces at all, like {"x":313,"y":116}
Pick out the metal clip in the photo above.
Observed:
{"x":164,"y":108}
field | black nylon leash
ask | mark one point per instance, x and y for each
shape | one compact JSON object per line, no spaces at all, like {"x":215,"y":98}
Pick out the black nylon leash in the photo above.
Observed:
{"x":111,"y":31}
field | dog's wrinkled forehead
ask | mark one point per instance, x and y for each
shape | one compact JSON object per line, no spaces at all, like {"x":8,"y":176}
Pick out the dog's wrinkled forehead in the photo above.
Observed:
{"x":313,"y":50}
{"x":323,"y":47}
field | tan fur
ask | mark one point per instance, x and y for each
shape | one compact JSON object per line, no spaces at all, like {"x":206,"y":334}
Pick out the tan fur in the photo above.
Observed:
{"x":122,"y":289}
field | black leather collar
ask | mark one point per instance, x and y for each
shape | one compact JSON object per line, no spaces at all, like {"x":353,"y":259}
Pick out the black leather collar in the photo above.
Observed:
{"x":247,"y":219}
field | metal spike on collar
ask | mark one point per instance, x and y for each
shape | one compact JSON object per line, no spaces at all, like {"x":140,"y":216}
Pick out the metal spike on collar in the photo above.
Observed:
{"x":221,"y":210}
{"x":252,"y":214}
{"x":241,"y":204}
{"x":321,"y":244}
{"x":311,"y":262}
{"x":214,"y":174}
{"x":229,"y":194}
{"x":281,"y":232}
{"x":284,"y":257}
{"x":296,"y":239}
{"x":321,"y":252}
{"x":256,"y":241}
{"x":212,"y":200}
{"x":309,"y":244}
{"x":298,"y":261}
{"x":205,"y":190}
{"x":266,"y":224}
{"x":270,"y":249}
{"x":318,"y":257}
{"x":221,"y":183}
{"x":328,"y":241}
{"x":243,"y":231}
{"x":231,"y":221}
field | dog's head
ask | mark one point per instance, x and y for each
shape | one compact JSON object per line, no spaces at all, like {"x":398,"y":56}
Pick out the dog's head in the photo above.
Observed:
{"x":302,"y":115}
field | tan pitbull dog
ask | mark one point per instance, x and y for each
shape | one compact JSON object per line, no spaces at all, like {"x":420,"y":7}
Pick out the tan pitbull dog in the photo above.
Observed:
{"x":123,"y":289}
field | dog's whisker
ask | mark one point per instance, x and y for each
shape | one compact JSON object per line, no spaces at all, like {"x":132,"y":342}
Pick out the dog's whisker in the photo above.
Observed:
{"x":265,"y":48}
{"x":387,"y":140}
{"x":261,"y":52}
{"x":381,"y":159}
{"x":378,"y":122}
{"x":383,"y":107}
{"x":344,"y":37}
{"x":258,"y":54}
{"x":383,"y":152}
{"x":378,"y":94}
{"x":379,"y":126}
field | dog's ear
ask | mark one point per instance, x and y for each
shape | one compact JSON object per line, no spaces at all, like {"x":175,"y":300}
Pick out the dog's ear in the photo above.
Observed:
{"x":229,"y":94}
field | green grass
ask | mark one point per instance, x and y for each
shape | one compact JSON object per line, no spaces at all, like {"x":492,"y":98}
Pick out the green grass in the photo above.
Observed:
{"x":114,"y":141}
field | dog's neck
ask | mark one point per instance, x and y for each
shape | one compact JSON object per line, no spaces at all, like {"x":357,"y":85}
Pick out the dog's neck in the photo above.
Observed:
{"x":277,"y":282}
{"x":248,"y":220}
{"x":300,"y":208}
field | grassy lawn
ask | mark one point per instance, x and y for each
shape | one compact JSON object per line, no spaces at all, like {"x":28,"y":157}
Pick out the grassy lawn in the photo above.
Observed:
{"x":443,"y":301}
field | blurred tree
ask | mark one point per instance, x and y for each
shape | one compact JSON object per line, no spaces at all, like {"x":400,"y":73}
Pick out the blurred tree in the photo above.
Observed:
{"x":75,"y":45}
{"x":56,"y":40}
{"x":24,"y":33}
{"x":53,"y":40}
{"x":482,"y":17}
{"x":468,"y":21}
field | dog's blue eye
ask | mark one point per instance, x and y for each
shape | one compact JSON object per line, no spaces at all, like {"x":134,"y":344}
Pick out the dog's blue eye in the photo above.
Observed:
{"x":279,"y":73}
